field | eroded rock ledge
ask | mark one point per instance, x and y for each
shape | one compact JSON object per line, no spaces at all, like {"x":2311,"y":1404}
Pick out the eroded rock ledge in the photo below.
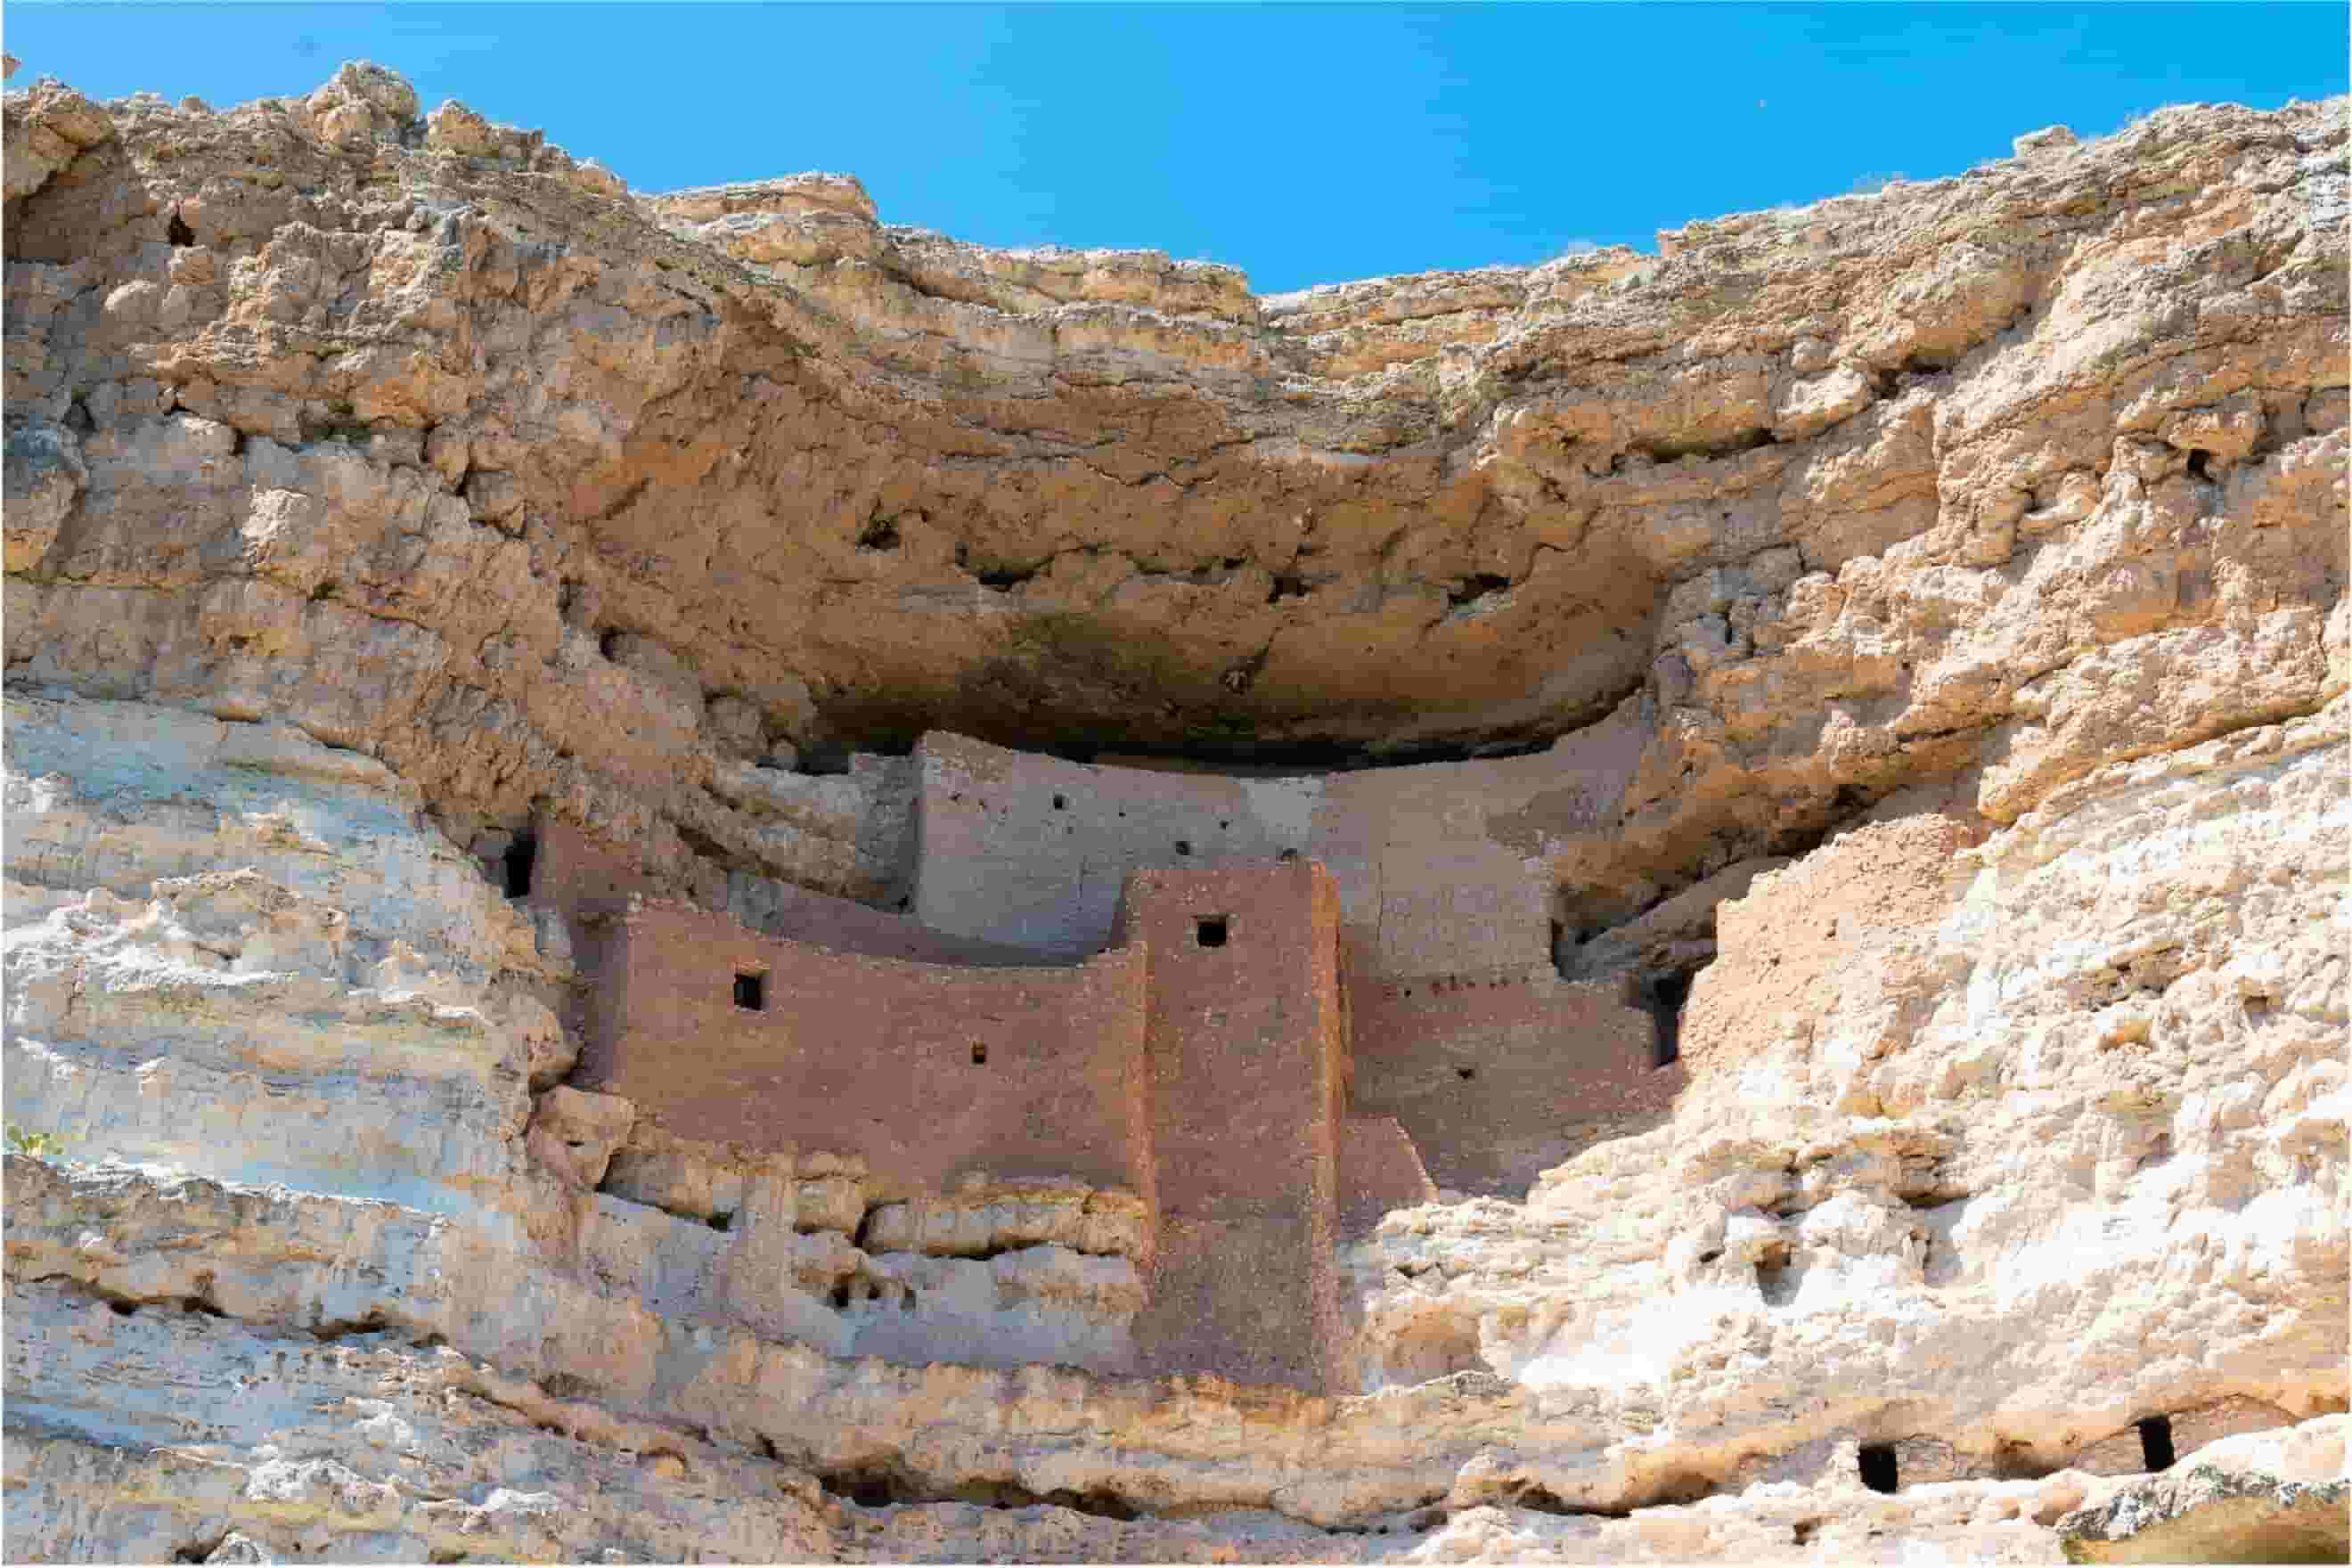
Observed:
{"x":1932,"y":604}
{"x":409,"y":431}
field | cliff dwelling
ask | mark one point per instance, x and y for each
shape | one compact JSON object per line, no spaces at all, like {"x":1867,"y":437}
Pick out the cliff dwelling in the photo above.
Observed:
{"x":691,"y":875}
{"x":1267,"y":1010}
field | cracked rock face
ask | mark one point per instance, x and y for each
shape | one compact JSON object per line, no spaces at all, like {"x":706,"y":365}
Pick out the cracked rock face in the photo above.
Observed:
{"x":1961,"y":568}
{"x":415,"y":434}
{"x":2264,"y":1498}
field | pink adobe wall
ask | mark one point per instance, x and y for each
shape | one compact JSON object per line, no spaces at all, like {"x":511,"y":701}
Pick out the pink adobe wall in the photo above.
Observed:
{"x":871,"y":1056}
{"x":1217,"y":1082}
{"x":820,"y":920}
{"x":1553,"y":1066}
{"x":1426,"y":887}
{"x":1445,"y":878}
{"x":1245,"y":1053}
{"x":580,"y":874}
{"x":576,"y":873}
{"x":1380,"y":1170}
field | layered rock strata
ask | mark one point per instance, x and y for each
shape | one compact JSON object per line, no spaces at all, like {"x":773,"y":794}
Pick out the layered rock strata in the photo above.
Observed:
{"x":1958,"y":569}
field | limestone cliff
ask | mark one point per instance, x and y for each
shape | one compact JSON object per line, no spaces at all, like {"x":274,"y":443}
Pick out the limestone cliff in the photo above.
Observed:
{"x":1957,"y":573}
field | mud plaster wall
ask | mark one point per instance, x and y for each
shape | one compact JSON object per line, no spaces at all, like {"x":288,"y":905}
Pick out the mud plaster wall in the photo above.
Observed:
{"x":1499,"y":1076}
{"x":578,"y":874}
{"x":1380,"y":1170}
{"x":840,"y":925}
{"x":1034,"y":851}
{"x":875,"y":1056}
{"x":1445,"y":878}
{"x":1245,"y":1053}
{"x":1441,"y":869}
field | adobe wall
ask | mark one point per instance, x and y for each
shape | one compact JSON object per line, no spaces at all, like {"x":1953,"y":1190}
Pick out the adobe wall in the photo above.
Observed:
{"x":1446,"y":876}
{"x":577,"y":873}
{"x":1440,"y":868}
{"x":1033,"y":851}
{"x":1380,"y":1170}
{"x":819,"y":920}
{"x":1499,"y":1076}
{"x":1427,"y":886}
{"x":874,"y":1055}
{"x":1245,"y":1055}
{"x":580,"y":874}
{"x":849,"y":834}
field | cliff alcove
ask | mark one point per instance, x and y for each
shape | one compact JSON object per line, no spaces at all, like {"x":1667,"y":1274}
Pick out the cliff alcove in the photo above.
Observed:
{"x":1657,"y":907}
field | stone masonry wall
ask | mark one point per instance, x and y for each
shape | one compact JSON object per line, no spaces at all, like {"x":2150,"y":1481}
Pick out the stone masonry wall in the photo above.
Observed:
{"x":930,"y":1073}
{"x":1438,"y":868}
{"x":1380,"y":1170}
{"x":1499,"y":1076}
{"x":1445,"y":878}
{"x":577,"y":873}
{"x":1246,"y":1060}
{"x":1034,"y":851}
{"x":841,"y":925}
{"x":574,"y":872}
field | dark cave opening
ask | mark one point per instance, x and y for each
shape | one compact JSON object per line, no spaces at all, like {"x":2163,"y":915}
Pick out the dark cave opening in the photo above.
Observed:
{"x":1664,"y":996}
{"x":516,"y":865}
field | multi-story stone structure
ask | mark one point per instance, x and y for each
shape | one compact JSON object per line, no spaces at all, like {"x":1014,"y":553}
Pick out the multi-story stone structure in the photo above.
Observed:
{"x":1264,"y":1008}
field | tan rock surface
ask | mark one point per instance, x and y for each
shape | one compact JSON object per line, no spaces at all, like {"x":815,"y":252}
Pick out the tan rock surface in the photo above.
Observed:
{"x":594,"y":485}
{"x":1960,"y":570}
{"x":2270,"y":1497}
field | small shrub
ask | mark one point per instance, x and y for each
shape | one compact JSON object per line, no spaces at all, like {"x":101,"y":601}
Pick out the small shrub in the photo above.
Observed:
{"x":40,"y":1145}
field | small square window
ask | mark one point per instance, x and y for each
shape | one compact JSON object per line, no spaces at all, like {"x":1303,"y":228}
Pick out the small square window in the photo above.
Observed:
{"x":752,"y":991}
{"x":1209,"y":930}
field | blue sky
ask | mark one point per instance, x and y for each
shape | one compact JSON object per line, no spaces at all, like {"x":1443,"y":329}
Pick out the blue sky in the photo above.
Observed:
{"x":1303,"y":144}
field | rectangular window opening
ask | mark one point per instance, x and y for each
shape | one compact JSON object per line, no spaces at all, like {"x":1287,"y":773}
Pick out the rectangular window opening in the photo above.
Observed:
{"x":1877,"y":1465}
{"x":979,"y":1055}
{"x":2155,"y":1441}
{"x":752,"y":991}
{"x":1209,"y":930}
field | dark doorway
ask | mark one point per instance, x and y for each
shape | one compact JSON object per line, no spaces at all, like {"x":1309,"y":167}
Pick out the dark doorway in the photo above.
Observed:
{"x":520,"y":856}
{"x":1663,"y":996}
